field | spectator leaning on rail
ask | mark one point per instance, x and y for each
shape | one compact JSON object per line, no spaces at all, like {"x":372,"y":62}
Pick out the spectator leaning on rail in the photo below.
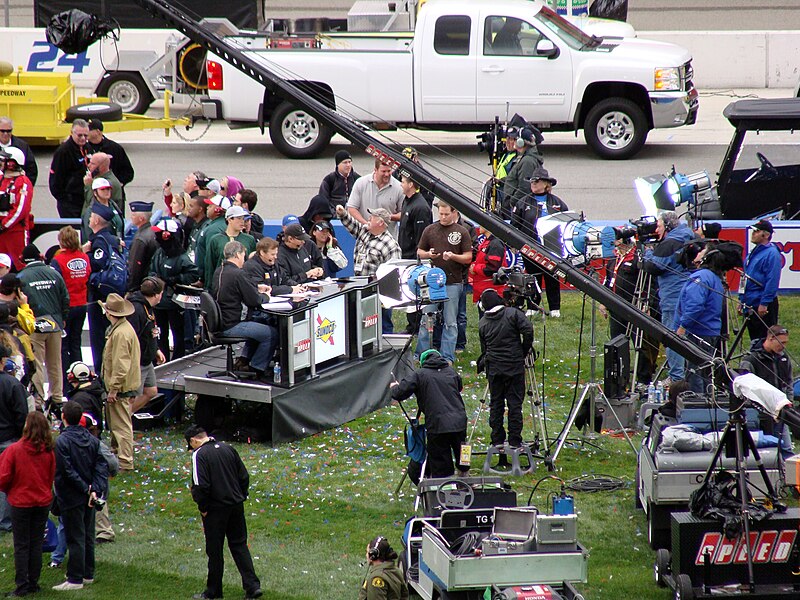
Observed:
{"x":662,"y":261}
{"x":762,"y":276}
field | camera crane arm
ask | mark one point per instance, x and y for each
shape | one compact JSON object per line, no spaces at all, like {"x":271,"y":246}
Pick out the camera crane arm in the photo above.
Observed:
{"x":534,"y":251}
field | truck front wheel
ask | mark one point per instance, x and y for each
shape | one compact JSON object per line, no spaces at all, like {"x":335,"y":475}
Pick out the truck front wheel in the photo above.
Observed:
{"x":296,"y":133}
{"x":615,"y":128}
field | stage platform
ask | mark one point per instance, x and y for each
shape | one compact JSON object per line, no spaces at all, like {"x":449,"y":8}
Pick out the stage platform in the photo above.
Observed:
{"x":333,"y":396}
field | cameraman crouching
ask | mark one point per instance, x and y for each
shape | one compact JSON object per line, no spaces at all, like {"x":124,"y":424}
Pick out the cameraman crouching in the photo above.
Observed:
{"x":506,"y":338}
{"x":438,"y":390}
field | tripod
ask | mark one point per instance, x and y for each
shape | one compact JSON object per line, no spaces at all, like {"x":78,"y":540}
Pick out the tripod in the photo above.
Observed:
{"x":590,"y":393}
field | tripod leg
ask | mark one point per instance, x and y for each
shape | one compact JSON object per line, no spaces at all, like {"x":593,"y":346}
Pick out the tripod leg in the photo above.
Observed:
{"x":402,"y":481}
{"x":613,"y":412}
{"x":480,"y":412}
{"x":562,"y":437}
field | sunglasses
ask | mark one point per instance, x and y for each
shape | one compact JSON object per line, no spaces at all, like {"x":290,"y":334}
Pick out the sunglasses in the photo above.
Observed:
{"x":81,"y":135}
{"x":6,"y":130}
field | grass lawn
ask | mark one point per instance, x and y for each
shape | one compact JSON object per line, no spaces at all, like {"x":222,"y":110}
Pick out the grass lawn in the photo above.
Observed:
{"x":315,"y":503}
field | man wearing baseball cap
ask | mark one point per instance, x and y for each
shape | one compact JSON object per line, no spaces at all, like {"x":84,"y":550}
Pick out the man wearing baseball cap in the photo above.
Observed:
{"x":143,"y":246}
{"x":102,"y":190}
{"x":5,"y":264}
{"x":215,"y":211}
{"x":374,"y":247}
{"x":235,"y":217}
{"x":758,"y":292}
{"x":299,"y":259}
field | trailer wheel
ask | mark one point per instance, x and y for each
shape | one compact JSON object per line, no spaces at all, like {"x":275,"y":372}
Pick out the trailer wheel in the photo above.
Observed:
{"x":683,"y":587}
{"x":661,"y":567}
{"x":615,"y":128}
{"x":296,"y":133}
{"x":126,"y":89}
{"x":105,"y":111}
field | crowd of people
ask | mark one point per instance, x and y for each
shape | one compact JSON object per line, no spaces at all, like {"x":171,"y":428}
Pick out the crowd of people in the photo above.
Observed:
{"x":124,"y":265}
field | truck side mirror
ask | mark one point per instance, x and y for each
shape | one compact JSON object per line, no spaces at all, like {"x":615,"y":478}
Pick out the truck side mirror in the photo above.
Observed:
{"x":545,"y":47}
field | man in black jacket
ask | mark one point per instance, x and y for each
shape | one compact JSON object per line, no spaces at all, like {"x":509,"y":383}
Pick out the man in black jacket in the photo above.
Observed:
{"x":67,"y":171}
{"x":7,"y":138}
{"x":438,"y":390}
{"x":336,"y":186}
{"x":298,"y":260}
{"x":231,"y":288}
{"x":13,"y":412}
{"x":415,"y":216}
{"x":98,"y":142}
{"x":81,"y":478}
{"x":506,"y":338}
{"x":220,"y":484}
{"x":769,"y":361}
{"x":143,"y":321}
{"x":262,"y":267}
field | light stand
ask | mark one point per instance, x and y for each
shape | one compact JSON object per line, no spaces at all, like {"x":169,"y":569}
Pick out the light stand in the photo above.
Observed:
{"x":591,"y":390}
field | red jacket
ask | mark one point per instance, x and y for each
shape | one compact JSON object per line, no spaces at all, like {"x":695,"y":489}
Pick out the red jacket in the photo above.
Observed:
{"x":488,"y":259}
{"x":16,"y":219}
{"x":26,"y":474}
{"x":75,"y":267}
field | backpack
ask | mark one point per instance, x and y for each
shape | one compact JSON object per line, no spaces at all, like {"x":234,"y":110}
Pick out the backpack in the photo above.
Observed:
{"x":114,"y":278}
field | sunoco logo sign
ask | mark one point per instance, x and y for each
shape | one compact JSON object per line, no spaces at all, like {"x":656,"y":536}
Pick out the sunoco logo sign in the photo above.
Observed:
{"x":768,"y":547}
{"x":325,"y":329}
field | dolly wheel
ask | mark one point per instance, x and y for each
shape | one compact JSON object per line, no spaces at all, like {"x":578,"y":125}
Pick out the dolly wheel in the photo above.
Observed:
{"x":661,"y":567}
{"x":683,"y":587}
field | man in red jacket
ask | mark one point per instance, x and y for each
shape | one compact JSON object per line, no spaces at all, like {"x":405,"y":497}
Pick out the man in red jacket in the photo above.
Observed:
{"x":16,"y":195}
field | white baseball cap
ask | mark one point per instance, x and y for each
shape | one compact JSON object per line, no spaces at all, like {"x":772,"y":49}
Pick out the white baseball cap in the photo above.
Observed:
{"x":5,"y":260}
{"x":100,"y":183}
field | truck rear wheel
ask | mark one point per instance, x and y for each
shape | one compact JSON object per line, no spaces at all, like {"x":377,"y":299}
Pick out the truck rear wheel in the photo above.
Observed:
{"x":615,"y":128}
{"x":126,"y":89}
{"x":296,"y":133}
{"x":105,"y":111}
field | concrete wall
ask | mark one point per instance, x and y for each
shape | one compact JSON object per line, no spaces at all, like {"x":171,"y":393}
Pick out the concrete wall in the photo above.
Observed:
{"x":739,"y":59}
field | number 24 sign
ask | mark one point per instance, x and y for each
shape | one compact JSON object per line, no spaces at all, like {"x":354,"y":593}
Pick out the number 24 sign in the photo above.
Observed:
{"x":50,"y":57}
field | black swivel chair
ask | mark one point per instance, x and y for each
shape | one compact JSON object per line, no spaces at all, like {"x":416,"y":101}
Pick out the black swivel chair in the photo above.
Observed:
{"x":212,"y":321}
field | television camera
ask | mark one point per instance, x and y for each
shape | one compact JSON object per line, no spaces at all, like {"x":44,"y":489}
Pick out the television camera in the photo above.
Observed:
{"x":519,"y":288}
{"x":643,"y":229}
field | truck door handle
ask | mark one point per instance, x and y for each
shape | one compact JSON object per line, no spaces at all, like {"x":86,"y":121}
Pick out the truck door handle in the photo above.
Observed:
{"x":493,"y":69}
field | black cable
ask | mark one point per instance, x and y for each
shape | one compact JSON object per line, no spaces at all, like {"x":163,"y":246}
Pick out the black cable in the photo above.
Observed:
{"x":543,"y":479}
{"x":595,"y":483}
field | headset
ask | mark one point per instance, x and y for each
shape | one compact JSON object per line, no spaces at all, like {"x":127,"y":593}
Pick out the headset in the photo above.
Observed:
{"x":373,"y":551}
{"x":525,"y":136}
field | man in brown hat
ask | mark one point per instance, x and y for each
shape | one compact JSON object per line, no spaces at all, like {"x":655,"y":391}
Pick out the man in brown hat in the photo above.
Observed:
{"x":122,"y":376}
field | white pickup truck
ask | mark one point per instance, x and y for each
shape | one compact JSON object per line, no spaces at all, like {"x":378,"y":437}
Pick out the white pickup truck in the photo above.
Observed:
{"x":466,"y":63}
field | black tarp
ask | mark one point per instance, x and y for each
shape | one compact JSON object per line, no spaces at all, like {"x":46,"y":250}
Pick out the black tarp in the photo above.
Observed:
{"x":242,"y":13}
{"x":335,"y":399}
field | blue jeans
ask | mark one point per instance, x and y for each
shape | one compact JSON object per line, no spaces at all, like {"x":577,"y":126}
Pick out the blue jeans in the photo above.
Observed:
{"x":450,"y":328}
{"x":262,"y":344}
{"x":461,"y":319}
{"x":698,"y":378}
{"x":675,"y":361}
{"x":5,"y":508}
{"x":57,"y":555}
{"x":386,"y":320}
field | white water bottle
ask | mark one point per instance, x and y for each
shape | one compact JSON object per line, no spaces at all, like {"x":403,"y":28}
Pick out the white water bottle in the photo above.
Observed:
{"x":659,"y":392}
{"x":651,"y":393}
{"x":276,"y":373}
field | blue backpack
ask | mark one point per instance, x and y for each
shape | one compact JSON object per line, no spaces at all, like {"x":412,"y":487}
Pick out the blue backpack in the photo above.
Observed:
{"x":114,"y":278}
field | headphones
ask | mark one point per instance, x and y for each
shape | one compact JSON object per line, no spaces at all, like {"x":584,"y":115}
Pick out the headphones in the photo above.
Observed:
{"x":525,"y":136}
{"x":373,"y":552}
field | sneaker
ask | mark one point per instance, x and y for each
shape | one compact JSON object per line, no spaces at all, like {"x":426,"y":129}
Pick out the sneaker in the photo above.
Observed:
{"x":54,"y":564}
{"x":68,"y":586}
{"x":256,"y":593}
{"x":556,"y":314}
{"x":88,"y":581}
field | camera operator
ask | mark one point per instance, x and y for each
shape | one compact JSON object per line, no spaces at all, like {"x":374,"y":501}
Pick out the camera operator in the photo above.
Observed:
{"x":623,"y":281}
{"x":438,"y":389}
{"x":529,"y":159}
{"x":506,"y":338}
{"x":489,"y":257}
{"x":504,"y":166}
{"x":539,"y":203}
{"x":662,"y":262}
{"x":698,"y":314}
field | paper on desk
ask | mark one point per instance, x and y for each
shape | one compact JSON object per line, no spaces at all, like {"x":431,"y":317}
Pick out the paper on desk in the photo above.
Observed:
{"x":319,"y":283}
{"x":277,"y":304}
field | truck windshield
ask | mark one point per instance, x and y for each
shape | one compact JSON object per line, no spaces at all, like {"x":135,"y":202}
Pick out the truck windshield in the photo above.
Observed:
{"x":572,"y":35}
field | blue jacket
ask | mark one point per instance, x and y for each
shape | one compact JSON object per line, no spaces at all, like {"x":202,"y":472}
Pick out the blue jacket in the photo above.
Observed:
{"x":662,"y":261}
{"x":699,"y":308}
{"x":102,"y":243}
{"x":764,"y":266}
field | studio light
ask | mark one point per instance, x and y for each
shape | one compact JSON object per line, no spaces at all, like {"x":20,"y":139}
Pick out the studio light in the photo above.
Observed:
{"x":666,"y":192}
{"x":406,"y":284}
{"x":569,"y":235}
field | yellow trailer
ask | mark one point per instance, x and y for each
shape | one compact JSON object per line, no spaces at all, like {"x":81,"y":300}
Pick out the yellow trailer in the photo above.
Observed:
{"x":43,"y":105}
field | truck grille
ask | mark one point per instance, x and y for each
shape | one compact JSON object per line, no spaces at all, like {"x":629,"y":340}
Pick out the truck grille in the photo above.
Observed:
{"x":687,"y":74}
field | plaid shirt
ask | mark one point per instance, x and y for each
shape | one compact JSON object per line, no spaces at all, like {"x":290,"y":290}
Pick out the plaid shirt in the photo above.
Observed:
{"x":371,"y":251}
